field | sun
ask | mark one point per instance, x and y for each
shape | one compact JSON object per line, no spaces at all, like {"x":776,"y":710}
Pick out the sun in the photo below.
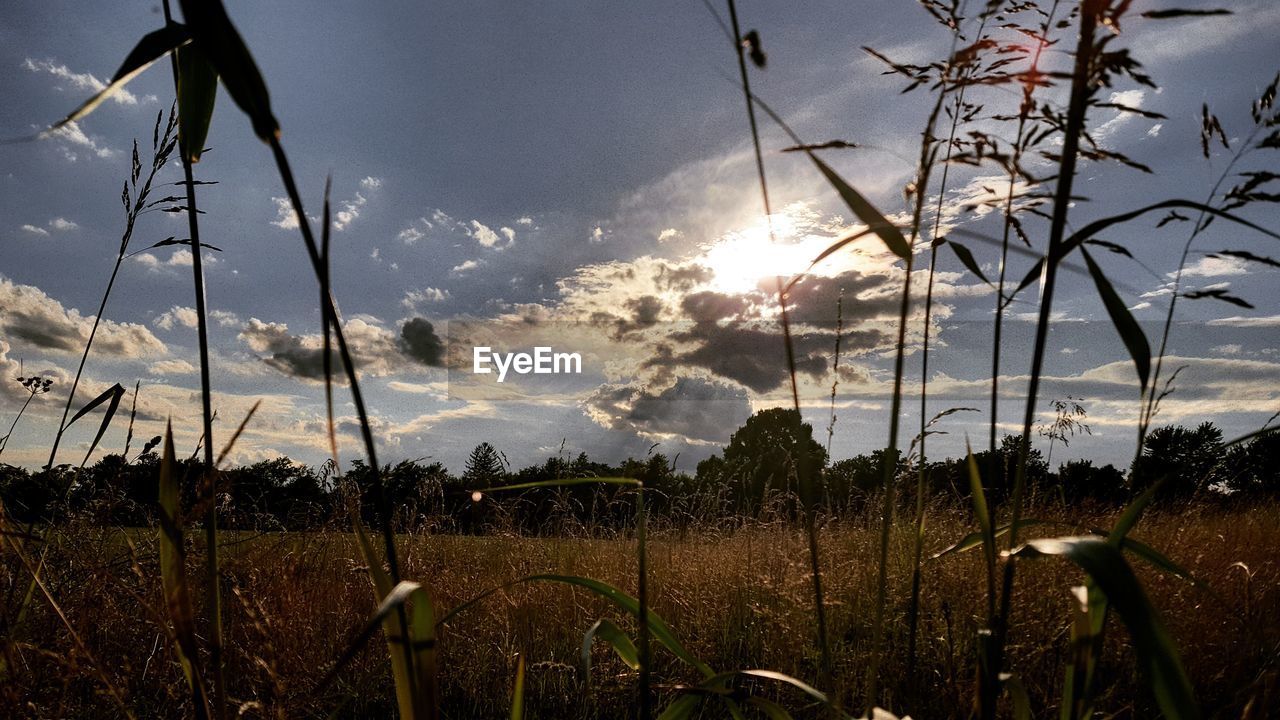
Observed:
{"x":741,"y":260}
{"x":747,"y":259}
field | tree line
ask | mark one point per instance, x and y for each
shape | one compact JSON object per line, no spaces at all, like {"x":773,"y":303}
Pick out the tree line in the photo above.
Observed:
{"x":758,"y":475}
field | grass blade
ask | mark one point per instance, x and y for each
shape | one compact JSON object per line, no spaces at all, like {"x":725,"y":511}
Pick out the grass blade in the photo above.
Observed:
{"x":865,"y":211}
{"x":1157,"y":654}
{"x":609,"y":632}
{"x":197,"y":90}
{"x":153,"y":46}
{"x":221,"y":42}
{"x":966,"y":258}
{"x":111,"y":396}
{"x":1130,"y":332}
{"x":173,"y":574}
{"x":517,"y":690}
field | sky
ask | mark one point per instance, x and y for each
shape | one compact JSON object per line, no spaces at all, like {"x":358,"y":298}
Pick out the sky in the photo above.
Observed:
{"x":580,"y":176}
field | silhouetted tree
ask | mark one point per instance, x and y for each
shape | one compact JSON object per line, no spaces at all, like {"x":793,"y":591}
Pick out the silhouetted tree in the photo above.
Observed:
{"x":484,"y":467}
{"x":1187,"y":462}
{"x":766,"y":455}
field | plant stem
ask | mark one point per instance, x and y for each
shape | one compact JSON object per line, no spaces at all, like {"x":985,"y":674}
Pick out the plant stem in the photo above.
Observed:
{"x":1081,"y":90}
{"x":642,"y":598}
{"x":209,"y":474}
{"x":15,"y":421}
{"x":804,"y":469}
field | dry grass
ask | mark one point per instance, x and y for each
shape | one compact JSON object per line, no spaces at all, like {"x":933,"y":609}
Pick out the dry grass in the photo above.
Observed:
{"x":741,"y":600}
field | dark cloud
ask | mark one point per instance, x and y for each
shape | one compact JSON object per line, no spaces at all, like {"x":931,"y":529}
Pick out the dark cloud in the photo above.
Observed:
{"x":753,"y":353}
{"x":710,"y":306}
{"x":34,"y":319}
{"x":681,"y":278}
{"x":418,"y":340}
{"x":375,"y":349}
{"x":286,"y":352}
{"x":865,"y":297}
{"x":645,"y":310}
{"x":694,"y":408}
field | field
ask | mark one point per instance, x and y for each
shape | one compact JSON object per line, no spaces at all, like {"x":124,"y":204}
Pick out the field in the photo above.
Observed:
{"x":783,"y":578}
{"x":736,"y":599}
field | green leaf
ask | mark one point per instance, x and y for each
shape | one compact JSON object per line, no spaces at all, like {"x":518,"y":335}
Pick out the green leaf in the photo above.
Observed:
{"x":517,"y":690}
{"x":197,"y":91}
{"x":1157,"y":654}
{"x":966,"y":258}
{"x":212,"y":30}
{"x":1089,"y":231}
{"x":413,"y":692}
{"x":980,"y":509}
{"x":657,"y":626}
{"x":609,"y":632}
{"x":974,"y":539}
{"x":681,"y":708}
{"x":1018,"y":694}
{"x":1130,"y":332}
{"x":865,"y":211}
{"x":771,"y":709}
{"x":153,"y":46}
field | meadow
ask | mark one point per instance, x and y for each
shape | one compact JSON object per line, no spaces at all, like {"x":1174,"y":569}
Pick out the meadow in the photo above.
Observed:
{"x":739,"y":598}
{"x":1155,"y":603}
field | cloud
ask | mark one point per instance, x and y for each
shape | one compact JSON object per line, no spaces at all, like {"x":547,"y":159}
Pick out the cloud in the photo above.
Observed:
{"x":177,"y":315}
{"x":439,"y":391}
{"x":695,"y":409}
{"x":377,"y":351}
{"x":73,"y":135}
{"x":417,"y":298}
{"x":418,"y":340}
{"x":303,"y":356}
{"x":412,"y":234}
{"x":349,"y":212}
{"x":465,"y":266}
{"x":483,"y":234}
{"x":597,"y":235}
{"x":81,"y":81}
{"x":171,"y":367}
{"x":1127,"y":98}
{"x":224,"y":318}
{"x":58,"y":224}
{"x":509,"y":234}
{"x":1247,"y":322}
{"x":1214,"y":266}
{"x":178,"y":259}
{"x":371,"y":183}
{"x":524,"y":221}
{"x":1161,"y":42}
{"x":286,"y":218}
{"x":668,"y":235}
{"x":34,"y":319}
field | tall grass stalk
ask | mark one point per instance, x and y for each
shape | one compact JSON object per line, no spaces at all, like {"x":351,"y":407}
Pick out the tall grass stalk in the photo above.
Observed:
{"x":913,"y":607}
{"x":161,"y":149}
{"x":209,"y":474}
{"x":1081,"y":91}
{"x":1015,"y":172}
{"x":804,"y":462}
